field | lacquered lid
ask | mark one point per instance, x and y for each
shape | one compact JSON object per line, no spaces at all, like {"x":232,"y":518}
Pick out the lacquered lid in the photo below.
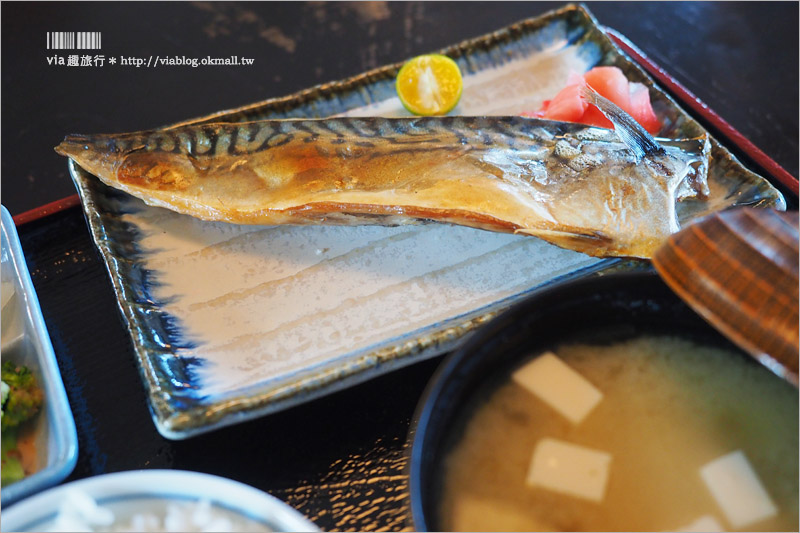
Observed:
{"x":739,"y":270}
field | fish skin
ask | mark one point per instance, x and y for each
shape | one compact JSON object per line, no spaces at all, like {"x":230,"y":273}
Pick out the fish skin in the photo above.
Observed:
{"x":575,"y":186}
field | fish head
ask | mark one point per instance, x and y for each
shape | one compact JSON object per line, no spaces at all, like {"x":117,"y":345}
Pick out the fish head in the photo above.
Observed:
{"x":100,"y":155}
{"x":134,"y":160}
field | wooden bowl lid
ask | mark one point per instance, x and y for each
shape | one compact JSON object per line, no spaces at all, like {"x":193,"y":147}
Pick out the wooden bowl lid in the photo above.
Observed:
{"x":739,"y":270}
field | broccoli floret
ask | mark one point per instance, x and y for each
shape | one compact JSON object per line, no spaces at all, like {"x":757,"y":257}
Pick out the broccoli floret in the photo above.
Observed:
{"x":24,"y":395}
{"x":11,"y":469}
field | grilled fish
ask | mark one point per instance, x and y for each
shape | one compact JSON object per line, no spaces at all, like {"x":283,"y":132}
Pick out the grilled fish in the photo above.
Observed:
{"x":601,"y":192}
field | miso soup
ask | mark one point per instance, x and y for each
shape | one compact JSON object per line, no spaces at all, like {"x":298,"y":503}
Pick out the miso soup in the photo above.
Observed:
{"x":650,"y":434}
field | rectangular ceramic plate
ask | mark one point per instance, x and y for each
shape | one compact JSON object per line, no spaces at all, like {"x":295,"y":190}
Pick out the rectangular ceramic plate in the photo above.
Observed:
{"x":232,"y":322}
{"x":25,"y":341}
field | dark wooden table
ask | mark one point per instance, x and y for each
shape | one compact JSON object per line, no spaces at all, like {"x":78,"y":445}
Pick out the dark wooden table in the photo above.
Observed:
{"x":339,"y":461}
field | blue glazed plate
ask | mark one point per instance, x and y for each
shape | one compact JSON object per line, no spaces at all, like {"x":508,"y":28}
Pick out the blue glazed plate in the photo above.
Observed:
{"x":233,"y":322}
{"x":25,"y":341}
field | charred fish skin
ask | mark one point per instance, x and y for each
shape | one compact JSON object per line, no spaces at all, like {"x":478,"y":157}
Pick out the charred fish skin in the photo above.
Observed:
{"x":247,"y":138}
{"x":575,"y":186}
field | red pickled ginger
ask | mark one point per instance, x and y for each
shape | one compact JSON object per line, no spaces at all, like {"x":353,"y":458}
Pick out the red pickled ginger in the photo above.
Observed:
{"x":610,"y":82}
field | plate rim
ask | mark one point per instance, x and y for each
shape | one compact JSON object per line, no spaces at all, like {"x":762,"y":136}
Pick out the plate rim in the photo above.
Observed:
{"x":60,"y":421}
{"x":137,"y":483}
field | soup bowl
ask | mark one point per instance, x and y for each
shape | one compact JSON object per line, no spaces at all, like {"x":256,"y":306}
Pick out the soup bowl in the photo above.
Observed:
{"x":599,"y":310}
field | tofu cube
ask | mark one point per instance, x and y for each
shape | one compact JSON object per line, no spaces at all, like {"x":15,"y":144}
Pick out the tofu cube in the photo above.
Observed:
{"x":706,"y":522}
{"x":471,"y":513}
{"x":569,"y":469}
{"x":738,"y":491}
{"x":559,"y":386}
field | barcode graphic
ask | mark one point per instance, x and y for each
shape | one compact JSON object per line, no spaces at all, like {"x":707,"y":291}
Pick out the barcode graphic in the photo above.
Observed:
{"x":73,"y":40}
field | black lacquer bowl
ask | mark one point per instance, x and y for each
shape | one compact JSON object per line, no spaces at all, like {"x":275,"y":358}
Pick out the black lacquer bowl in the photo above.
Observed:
{"x":600,"y":309}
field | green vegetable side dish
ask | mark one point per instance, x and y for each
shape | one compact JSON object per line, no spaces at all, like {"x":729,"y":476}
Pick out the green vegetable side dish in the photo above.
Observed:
{"x":21,"y":399}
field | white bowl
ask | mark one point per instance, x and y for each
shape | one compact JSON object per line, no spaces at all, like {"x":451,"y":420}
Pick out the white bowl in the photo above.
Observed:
{"x":149,"y":491}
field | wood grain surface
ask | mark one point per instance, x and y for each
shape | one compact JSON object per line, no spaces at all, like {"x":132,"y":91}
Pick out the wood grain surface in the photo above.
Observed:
{"x":739,"y":270}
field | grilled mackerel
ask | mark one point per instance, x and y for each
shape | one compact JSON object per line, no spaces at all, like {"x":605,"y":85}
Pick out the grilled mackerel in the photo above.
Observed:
{"x":597,"y":191}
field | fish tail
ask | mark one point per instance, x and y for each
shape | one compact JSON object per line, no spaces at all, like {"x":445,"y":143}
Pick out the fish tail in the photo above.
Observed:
{"x":629,"y":131}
